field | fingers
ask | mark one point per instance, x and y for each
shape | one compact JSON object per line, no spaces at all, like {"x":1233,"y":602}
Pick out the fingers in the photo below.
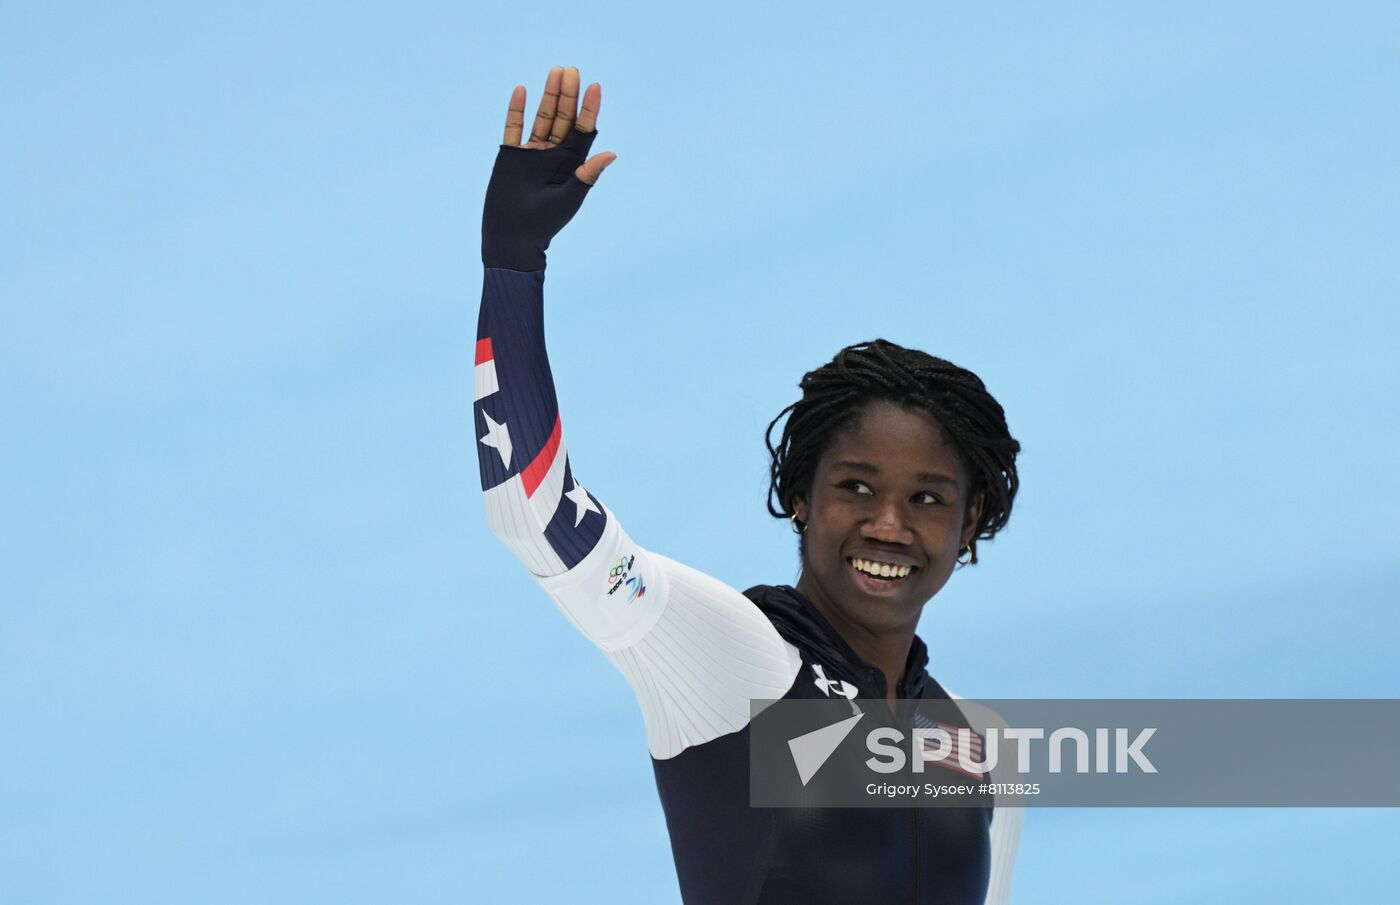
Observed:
{"x":515,"y":116}
{"x":544,"y":117}
{"x":568,"y":106}
{"x":594,"y":167}
{"x":592,"y":100}
{"x":555,"y":118}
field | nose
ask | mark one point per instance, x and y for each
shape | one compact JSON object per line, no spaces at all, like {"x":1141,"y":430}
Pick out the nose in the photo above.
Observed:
{"x":888,"y":524}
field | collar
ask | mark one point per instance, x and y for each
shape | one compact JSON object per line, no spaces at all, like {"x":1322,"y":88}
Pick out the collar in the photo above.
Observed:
{"x":800,"y":623}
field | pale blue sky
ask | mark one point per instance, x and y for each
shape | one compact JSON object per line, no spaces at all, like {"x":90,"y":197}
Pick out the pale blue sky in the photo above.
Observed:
{"x":256,"y":644}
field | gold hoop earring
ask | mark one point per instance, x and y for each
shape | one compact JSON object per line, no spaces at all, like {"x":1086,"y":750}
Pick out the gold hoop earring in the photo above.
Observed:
{"x":798,"y":527}
{"x":968,"y":551}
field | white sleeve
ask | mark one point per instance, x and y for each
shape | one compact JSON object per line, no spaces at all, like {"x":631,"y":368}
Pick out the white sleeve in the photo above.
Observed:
{"x":1006,"y":835}
{"x":694,"y":650}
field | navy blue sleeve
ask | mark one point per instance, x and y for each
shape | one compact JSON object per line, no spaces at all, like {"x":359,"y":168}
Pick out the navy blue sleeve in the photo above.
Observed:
{"x":534,"y":502}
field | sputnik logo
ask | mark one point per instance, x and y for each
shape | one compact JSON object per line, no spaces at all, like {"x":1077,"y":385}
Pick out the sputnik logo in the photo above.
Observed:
{"x":811,"y":750}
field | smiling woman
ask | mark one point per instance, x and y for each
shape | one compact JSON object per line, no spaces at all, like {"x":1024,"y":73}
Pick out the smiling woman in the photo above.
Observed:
{"x":891,"y":465}
{"x":886,"y":515}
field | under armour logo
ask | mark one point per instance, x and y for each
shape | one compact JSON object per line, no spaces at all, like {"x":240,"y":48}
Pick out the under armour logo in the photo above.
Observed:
{"x":827,"y":686}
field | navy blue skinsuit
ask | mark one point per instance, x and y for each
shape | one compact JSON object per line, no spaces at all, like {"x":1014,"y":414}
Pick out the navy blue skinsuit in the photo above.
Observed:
{"x":728,"y":852}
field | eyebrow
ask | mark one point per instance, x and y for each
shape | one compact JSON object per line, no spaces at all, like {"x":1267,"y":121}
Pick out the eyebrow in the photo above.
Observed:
{"x":923,"y":477}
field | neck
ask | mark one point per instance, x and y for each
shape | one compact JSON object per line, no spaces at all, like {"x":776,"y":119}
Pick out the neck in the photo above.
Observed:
{"x":885,"y":649}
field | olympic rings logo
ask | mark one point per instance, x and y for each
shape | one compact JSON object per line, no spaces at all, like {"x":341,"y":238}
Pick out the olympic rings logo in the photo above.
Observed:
{"x":619,"y":571}
{"x":618,"y":577}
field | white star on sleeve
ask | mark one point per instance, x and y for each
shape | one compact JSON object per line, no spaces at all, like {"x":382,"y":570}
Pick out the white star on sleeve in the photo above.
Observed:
{"x":498,"y":438}
{"x":582,"y":500}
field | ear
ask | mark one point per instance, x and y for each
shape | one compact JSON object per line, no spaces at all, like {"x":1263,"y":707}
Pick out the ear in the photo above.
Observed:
{"x":799,"y":507}
{"x":971,"y":515}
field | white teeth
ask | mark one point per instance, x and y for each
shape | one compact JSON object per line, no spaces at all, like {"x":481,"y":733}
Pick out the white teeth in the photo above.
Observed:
{"x":881,"y":569}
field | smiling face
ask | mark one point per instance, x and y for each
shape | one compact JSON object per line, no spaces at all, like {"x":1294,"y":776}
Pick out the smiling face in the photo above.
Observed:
{"x":890,"y":494}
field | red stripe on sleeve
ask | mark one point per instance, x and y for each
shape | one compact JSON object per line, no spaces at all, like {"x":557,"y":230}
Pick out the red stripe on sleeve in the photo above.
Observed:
{"x":534,"y":472}
{"x":483,"y":350}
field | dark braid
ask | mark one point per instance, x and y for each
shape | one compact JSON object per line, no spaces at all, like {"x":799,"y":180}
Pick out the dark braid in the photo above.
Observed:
{"x":834,"y":395}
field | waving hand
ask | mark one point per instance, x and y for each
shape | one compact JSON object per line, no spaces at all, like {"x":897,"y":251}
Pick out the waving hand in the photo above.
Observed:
{"x":537,"y":187}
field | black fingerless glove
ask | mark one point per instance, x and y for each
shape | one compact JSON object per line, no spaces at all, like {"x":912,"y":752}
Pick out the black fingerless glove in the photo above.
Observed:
{"x":532,"y":194}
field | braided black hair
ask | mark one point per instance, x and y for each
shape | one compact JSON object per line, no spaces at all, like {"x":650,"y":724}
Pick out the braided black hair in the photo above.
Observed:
{"x":834,"y":395}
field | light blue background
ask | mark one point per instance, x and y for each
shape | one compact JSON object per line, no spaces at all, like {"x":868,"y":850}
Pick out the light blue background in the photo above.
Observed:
{"x":256,"y":644}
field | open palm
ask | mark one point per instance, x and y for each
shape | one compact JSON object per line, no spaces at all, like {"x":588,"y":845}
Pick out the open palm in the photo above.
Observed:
{"x":557,"y":115}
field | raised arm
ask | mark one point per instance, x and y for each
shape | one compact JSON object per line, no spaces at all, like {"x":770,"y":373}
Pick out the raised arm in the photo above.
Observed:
{"x":694,"y":650}
{"x":533,"y":501}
